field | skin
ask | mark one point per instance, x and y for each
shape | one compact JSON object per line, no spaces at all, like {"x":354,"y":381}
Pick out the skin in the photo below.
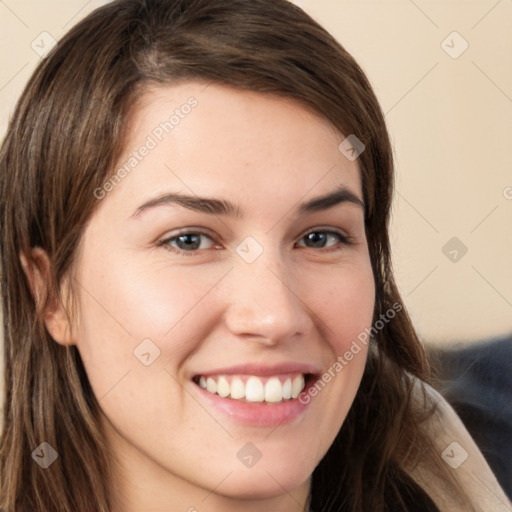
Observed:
{"x":210,"y":309}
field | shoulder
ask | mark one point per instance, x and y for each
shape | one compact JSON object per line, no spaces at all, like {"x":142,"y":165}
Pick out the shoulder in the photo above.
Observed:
{"x":459,"y":451}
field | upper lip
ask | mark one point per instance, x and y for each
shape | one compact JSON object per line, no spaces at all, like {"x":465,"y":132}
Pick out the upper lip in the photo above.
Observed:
{"x":261,"y":370}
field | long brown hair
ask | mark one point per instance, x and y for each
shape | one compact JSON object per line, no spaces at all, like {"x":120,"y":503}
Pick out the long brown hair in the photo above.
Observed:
{"x":62,"y":143}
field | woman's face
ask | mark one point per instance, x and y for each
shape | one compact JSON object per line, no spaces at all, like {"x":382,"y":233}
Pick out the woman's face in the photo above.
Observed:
{"x":231,"y":254}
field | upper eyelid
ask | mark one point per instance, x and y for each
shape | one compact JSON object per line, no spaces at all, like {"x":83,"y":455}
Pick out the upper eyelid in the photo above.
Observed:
{"x":187,"y":231}
{"x":205,"y":231}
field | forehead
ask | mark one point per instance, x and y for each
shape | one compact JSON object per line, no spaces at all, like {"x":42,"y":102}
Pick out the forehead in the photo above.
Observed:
{"x":215,"y":139}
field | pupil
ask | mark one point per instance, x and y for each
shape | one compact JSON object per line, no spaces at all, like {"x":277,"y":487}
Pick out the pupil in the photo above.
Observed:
{"x":316,"y":239}
{"x":189,"y":241}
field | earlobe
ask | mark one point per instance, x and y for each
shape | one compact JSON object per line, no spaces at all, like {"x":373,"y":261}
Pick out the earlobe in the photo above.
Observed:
{"x":37,"y":270}
{"x":57,"y":324}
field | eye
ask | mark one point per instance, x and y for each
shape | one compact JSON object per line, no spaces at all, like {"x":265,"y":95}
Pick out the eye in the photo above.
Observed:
{"x":321,"y":239}
{"x":187,"y":242}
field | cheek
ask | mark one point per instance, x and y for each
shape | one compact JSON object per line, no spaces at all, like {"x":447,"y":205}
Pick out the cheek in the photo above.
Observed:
{"x":128,"y":302}
{"x":132,"y":315}
{"x":344,"y":300}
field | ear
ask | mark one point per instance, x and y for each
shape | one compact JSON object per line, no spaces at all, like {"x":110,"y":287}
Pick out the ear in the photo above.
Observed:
{"x":38,"y":271}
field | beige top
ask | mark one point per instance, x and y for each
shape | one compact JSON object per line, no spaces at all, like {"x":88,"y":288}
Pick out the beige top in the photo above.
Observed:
{"x":460,"y":452}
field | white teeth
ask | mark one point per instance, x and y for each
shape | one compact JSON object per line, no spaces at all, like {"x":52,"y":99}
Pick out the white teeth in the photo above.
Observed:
{"x":237,"y":388}
{"x":297,"y":386}
{"x":223,"y":388}
{"x":287,"y":389}
{"x":211,"y":385}
{"x":254,"y":389}
{"x":273,"y":390}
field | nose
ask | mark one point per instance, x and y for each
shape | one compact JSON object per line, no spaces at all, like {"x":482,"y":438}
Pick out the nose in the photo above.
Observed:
{"x":265,"y":302}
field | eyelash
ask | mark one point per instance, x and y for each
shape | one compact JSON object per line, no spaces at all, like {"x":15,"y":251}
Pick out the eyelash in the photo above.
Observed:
{"x":345,"y":240}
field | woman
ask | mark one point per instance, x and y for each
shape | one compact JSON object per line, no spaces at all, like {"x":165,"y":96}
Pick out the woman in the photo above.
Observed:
{"x":199,"y":308}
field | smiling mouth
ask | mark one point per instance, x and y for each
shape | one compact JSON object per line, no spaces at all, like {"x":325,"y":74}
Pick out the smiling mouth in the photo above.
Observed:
{"x":254,"y":389}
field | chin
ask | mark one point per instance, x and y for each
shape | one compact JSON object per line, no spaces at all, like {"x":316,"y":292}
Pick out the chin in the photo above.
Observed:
{"x":266,"y":482}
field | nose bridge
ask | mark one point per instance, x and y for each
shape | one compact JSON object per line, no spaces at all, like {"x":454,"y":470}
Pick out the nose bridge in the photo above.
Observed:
{"x":263,"y":300}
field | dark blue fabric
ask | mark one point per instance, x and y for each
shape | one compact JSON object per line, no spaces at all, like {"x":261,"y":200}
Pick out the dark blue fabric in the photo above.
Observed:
{"x":477,"y":382}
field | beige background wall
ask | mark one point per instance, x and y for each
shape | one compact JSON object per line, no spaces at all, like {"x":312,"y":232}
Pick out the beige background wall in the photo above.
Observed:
{"x":450,"y":117}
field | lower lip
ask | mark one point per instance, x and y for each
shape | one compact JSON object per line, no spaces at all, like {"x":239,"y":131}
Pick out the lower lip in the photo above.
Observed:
{"x":259,"y":414}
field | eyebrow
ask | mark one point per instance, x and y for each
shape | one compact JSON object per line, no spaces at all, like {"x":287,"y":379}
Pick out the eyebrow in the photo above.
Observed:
{"x":340,"y":195}
{"x":223,"y":207}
